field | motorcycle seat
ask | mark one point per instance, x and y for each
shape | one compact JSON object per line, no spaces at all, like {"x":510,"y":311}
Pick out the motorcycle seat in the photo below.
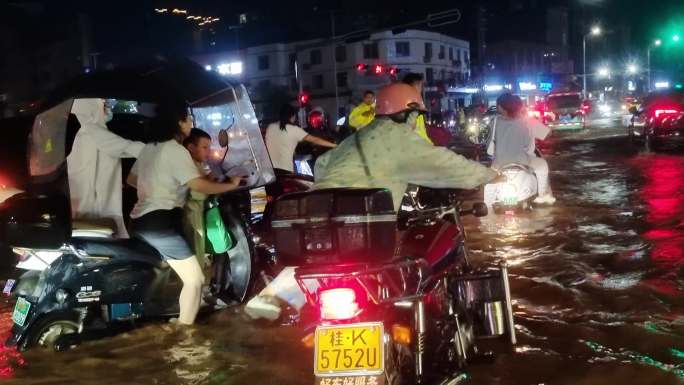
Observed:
{"x":120,"y":249}
{"x":93,"y":228}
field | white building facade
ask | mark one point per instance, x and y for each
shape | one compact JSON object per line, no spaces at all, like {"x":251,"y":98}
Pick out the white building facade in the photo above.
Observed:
{"x":336,"y":75}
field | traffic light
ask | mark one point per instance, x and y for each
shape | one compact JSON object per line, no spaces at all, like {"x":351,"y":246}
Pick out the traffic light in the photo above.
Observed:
{"x":378,"y":69}
{"x":303,"y":99}
{"x":393,"y":71}
{"x":362,"y":67}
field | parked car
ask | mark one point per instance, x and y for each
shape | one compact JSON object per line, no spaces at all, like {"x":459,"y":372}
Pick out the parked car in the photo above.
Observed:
{"x":659,"y":120}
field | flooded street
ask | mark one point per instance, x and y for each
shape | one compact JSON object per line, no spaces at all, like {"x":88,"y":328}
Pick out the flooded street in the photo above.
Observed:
{"x":597,"y":282}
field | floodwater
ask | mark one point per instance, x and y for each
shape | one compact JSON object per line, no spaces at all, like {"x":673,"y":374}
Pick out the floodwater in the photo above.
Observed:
{"x":597,"y":282}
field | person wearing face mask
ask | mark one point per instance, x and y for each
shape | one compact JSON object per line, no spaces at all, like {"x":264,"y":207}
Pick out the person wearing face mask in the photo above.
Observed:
{"x":388,"y":154}
{"x":385,"y":154}
{"x":94,"y":165}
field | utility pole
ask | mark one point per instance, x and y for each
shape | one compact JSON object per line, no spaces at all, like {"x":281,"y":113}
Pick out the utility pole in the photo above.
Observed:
{"x":334,"y":59}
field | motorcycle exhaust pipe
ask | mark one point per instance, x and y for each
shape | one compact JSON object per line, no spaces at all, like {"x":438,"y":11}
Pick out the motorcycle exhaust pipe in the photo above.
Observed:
{"x":509,"y":306}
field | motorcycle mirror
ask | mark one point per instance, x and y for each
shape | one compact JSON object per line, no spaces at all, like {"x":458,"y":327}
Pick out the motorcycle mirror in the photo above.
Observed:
{"x":479,"y":209}
{"x":223,"y":138}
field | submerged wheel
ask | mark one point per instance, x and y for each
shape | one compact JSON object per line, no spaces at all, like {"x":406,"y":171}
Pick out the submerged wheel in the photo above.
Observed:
{"x":241,"y":257}
{"x":47,"y":332}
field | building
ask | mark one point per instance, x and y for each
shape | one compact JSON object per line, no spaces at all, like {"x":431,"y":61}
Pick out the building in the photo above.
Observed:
{"x":336,"y":75}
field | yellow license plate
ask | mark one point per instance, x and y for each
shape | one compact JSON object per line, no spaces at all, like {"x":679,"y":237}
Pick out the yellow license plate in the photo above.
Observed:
{"x":349,"y":349}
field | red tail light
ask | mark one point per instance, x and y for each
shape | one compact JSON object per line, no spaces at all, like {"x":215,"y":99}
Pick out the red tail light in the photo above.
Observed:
{"x":338,"y":304}
{"x":664,"y":112}
{"x":5,"y":182}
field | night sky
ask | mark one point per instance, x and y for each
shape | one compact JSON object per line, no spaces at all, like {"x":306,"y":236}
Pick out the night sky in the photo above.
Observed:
{"x":132,"y":27}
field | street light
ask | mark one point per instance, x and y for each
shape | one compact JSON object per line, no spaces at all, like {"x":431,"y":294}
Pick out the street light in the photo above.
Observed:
{"x":675,"y":38}
{"x":656,"y":43}
{"x":604,"y":72}
{"x":632,"y":69}
{"x":595,"y":31}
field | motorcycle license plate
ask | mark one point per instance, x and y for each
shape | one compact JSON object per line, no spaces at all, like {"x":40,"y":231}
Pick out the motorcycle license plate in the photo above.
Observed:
{"x":510,"y":201}
{"x":21,"y":310}
{"x":349,"y":349}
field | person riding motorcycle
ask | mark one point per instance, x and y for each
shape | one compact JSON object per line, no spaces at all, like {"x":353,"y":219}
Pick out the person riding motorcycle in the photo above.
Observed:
{"x":416,"y":80}
{"x":385,"y":154}
{"x":513,"y":141}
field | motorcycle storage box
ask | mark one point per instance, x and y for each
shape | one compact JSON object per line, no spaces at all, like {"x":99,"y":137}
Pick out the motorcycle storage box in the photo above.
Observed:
{"x":334,"y":226}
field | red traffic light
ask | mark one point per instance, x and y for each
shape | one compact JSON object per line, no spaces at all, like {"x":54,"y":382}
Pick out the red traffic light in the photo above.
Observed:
{"x":303,"y":99}
{"x":361,"y":67}
{"x":378,"y":69}
{"x":393,"y":71}
{"x":316,"y":119}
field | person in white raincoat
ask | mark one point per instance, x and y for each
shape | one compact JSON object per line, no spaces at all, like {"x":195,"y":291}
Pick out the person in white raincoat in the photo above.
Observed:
{"x":385,"y":154}
{"x":94,"y":165}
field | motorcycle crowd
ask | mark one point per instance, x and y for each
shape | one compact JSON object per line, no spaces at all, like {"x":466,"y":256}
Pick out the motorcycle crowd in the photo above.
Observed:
{"x":368,"y":255}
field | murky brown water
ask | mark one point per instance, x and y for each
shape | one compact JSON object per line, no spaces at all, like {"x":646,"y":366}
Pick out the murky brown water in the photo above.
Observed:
{"x":598,"y":283}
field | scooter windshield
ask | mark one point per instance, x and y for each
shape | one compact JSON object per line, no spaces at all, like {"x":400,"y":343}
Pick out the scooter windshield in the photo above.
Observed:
{"x":47,"y":140}
{"x":246,"y":153}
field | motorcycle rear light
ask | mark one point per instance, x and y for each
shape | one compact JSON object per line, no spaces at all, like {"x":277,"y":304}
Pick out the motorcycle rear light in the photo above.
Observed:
{"x":338,"y":304}
{"x":664,"y":112}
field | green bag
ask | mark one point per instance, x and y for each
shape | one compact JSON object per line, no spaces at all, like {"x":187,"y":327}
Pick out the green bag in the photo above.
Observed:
{"x":220,"y":240}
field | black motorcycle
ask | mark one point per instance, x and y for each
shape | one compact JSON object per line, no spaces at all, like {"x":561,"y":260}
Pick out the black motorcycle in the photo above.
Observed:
{"x":83,"y":283}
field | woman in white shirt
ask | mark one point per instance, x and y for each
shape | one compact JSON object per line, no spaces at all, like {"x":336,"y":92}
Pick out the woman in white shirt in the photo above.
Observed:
{"x":283,"y":136}
{"x":163,"y":174}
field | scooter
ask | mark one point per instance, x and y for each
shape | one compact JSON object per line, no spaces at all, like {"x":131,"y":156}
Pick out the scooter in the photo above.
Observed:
{"x":83,"y":284}
{"x":516,"y":193}
{"x":379,"y":316}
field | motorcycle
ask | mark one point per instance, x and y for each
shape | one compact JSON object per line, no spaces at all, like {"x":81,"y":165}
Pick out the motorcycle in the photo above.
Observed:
{"x":516,"y":193}
{"x":83,"y":284}
{"x":406,"y":313}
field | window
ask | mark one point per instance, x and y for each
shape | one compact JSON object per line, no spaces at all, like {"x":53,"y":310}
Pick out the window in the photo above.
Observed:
{"x":341,"y":54}
{"x":429,"y":75}
{"x":458,"y":54}
{"x":263,"y":62}
{"x":442,"y":52}
{"x":402,"y":48}
{"x":342,"y":79}
{"x":371,"y":51}
{"x":317,"y":82}
{"x":428,"y":50}
{"x":315,"y":57}
{"x":451,"y":53}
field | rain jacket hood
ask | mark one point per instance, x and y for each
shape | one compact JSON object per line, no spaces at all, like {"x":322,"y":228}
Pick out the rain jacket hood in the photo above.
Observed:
{"x":94,"y":166}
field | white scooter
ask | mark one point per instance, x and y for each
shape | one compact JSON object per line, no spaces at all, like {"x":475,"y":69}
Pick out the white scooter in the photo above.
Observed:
{"x":516,"y":193}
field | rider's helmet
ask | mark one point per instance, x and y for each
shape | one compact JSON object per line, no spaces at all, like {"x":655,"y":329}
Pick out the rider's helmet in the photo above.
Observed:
{"x":397,"y":98}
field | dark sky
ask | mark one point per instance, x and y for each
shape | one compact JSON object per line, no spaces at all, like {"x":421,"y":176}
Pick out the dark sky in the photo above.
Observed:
{"x":120,"y":25}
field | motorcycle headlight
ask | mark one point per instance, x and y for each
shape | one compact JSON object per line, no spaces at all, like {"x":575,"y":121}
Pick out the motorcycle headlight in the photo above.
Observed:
{"x":509,"y":191}
{"x":61,"y":296}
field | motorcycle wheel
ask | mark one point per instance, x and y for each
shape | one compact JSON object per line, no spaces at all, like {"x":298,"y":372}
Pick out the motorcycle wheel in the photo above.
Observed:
{"x":46,"y":333}
{"x":241,"y":257}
